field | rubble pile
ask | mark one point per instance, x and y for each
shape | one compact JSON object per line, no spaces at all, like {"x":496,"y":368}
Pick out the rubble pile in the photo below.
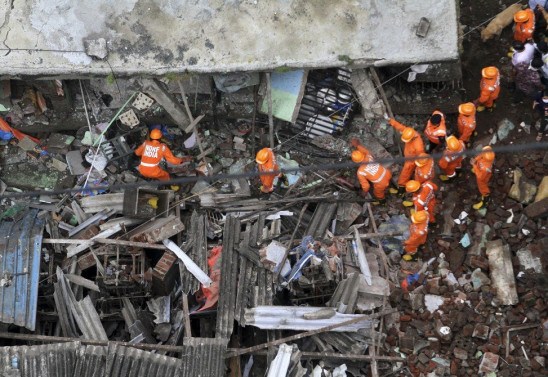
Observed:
{"x":307,"y":280}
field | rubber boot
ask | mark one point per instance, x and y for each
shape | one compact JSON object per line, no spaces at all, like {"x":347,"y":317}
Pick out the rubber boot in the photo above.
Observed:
{"x":444,"y":178}
{"x":378,"y":202}
{"x":480,"y":204}
{"x":393,"y":190}
{"x":407,"y":203}
{"x":174,"y":188}
{"x":480,"y":108}
{"x":408,"y":257}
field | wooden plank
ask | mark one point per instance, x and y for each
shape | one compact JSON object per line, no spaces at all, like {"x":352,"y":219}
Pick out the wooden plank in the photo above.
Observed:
{"x":72,"y":251}
{"x":192,"y":125}
{"x":106,"y":241}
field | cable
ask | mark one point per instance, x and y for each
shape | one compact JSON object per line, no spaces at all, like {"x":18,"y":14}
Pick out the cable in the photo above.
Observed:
{"x":324,"y":167}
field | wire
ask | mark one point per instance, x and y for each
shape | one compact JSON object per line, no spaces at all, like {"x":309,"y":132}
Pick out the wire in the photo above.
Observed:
{"x":324,"y":167}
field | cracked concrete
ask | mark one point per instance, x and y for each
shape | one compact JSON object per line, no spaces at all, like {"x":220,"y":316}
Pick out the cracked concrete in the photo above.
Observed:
{"x":166,"y":36}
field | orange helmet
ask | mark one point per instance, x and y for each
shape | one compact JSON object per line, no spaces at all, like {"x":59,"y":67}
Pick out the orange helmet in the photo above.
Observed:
{"x":423,"y":160}
{"x":419,"y":217}
{"x":358,"y":156}
{"x":262,"y":156}
{"x":467,"y":108}
{"x":156,"y":134}
{"x":490,"y":72}
{"x":408,"y":134}
{"x":488,"y":155}
{"x":453,"y":143}
{"x":412,"y":186}
{"x":521,"y":16}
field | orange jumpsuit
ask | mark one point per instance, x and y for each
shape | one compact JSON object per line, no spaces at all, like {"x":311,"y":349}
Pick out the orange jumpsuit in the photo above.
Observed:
{"x":523,"y":31}
{"x":152,"y":152}
{"x":425,"y":199}
{"x":426,"y":172}
{"x":483,"y":170}
{"x":451,"y":161}
{"x":489,"y":91}
{"x":417,"y":236}
{"x":268,"y":179}
{"x":376,"y":174}
{"x":432,"y":132}
{"x":412,"y":149}
{"x":466,"y":125}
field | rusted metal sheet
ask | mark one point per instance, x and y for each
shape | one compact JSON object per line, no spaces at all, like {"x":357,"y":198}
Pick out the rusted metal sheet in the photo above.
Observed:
{"x":20,"y":245}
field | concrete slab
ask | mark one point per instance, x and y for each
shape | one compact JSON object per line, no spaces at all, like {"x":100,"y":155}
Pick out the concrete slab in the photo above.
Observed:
{"x":156,"y":37}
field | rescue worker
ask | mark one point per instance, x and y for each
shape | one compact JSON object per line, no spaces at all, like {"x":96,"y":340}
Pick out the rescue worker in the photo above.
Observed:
{"x":482,"y":167}
{"x":489,"y":89}
{"x":372,"y":172}
{"x":425,"y":168}
{"x":152,"y":152}
{"x":524,"y":26}
{"x":414,"y":146}
{"x":466,"y":122}
{"x":435,"y":130}
{"x":418,"y":232}
{"x":451,"y":160}
{"x":424,"y":197}
{"x":266,"y":162}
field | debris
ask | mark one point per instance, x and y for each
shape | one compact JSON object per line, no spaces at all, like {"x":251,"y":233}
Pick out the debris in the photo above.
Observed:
{"x":433,"y":302}
{"x":489,"y":362}
{"x":542,"y":190}
{"x":96,"y":48}
{"x":189,"y":263}
{"x":501,"y":272}
{"x":503,"y":129}
{"x":522,"y":190}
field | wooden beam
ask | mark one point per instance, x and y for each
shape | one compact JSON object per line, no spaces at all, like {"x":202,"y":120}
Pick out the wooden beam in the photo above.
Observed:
{"x":270,"y":117}
{"x":106,"y":241}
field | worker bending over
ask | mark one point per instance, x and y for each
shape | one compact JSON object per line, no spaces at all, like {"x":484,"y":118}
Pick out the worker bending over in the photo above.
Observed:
{"x":152,"y":152}
{"x":452,"y":158}
{"x":489,"y":89}
{"x":414,"y":146}
{"x":424,"y":197}
{"x":266,"y":163}
{"x":424,"y":170}
{"x":371,"y":172}
{"x":435,"y":130}
{"x":418,"y":232}
{"x":466,"y":122}
{"x":482,"y":167}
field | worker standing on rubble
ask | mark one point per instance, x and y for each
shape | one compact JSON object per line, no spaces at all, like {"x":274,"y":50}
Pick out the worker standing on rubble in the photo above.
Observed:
{"x":524,"y":26}
{"x":414,"y":146}
{"x":482,"y":167}
{"x":466,"y":122}
{"x":418,"y":232}
{"x":424,"y":197}
{"x":424,"y":170}
{"x":452,"y":158}
{"x":371,"y":172}
{"x":266,"y":162}
{"x":152,"y":152}
{"x":435,"y":130}
{"x":489,"y":89}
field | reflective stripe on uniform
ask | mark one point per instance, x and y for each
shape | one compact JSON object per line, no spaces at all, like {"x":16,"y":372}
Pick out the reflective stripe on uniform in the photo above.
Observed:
{"x":148,"y":165}
{"x":380,"y":178}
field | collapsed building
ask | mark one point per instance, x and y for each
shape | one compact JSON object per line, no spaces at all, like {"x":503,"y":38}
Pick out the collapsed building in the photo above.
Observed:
{"x":121,"y":276}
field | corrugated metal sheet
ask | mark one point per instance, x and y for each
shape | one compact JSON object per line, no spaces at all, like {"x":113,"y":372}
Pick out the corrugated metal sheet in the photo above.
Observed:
{"x":20,"y":244}
{"x":132,"y":362}
{"x":49,"y":360}
{"x":197,"y":251}
{"x":75,"y":360}
{"x":204,"y":357}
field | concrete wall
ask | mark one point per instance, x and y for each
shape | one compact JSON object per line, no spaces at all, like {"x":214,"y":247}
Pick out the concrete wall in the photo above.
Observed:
{"x":156,"y":37}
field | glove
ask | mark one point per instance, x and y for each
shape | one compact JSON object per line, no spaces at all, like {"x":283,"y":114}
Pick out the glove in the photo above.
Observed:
{"x":385,"y":116}
{"x":355,"y":142}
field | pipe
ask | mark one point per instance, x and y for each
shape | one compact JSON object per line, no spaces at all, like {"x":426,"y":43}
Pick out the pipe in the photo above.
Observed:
{"x":192,"y":267}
